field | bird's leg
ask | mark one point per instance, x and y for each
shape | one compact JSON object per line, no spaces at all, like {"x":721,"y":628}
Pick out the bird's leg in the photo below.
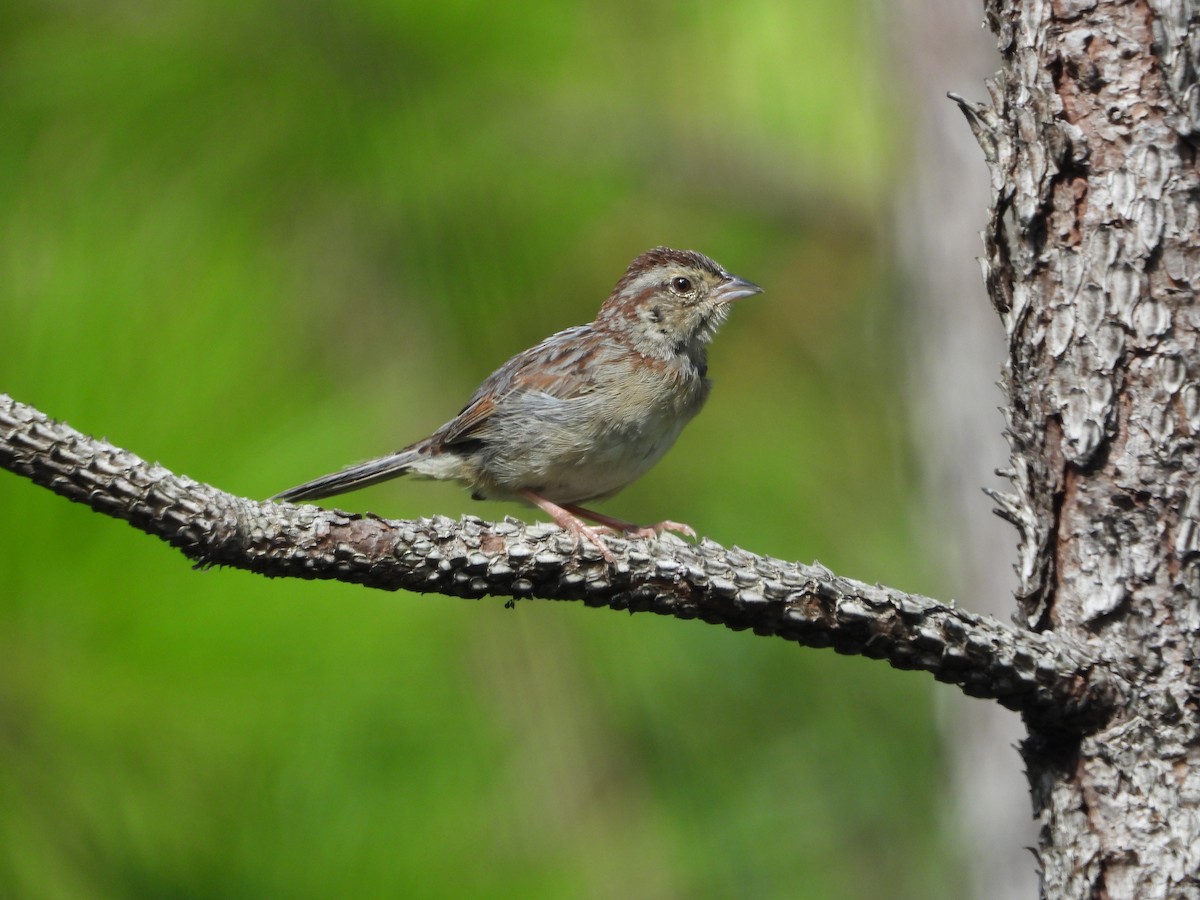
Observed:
{"x":630,"y":529}
{"x":568,"y":521}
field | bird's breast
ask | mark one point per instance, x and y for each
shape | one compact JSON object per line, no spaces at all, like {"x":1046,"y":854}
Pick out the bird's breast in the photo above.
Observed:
{"x":592,"y":445}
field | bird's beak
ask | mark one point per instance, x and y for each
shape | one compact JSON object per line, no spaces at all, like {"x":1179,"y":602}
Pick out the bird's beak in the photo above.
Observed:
{"x":735,"y":289}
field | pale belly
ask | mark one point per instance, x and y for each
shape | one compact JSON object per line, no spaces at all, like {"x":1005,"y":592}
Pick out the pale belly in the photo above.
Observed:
{"x":606,"y":468}
{"x":587,"y":448}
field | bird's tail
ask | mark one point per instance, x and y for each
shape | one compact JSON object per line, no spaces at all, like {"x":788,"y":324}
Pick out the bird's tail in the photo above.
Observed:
{"x":370,"y":472}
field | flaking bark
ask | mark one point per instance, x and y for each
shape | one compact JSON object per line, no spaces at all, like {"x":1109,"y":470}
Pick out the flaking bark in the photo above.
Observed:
{"x":1093,"y":258}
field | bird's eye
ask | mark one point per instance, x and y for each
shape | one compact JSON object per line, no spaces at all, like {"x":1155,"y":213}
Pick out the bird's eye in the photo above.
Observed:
{"x":681,"y":285}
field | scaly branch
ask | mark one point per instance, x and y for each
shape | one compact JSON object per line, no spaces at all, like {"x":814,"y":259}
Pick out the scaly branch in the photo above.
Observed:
{"x":1034,"y":673}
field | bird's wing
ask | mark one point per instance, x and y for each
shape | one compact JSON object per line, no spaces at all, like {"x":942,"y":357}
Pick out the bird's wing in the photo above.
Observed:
{"x":559,"y":368}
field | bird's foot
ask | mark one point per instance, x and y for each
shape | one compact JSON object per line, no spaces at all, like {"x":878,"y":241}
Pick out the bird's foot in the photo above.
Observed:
{"x":572,"y":524}
{"x":629,"y":529}
{"x":590,"y":533}
{"x":668,"y":525}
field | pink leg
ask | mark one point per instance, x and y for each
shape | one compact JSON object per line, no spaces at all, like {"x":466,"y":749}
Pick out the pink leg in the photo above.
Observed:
{"x":567,"y":521}
{"x":628,"y":527}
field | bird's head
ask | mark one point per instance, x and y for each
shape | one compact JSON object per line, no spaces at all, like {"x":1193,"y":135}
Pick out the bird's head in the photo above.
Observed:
{"x":672,"y":302}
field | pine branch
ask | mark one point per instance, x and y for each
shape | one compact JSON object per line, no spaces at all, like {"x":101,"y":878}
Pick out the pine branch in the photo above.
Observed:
{"x":1034,"y":673}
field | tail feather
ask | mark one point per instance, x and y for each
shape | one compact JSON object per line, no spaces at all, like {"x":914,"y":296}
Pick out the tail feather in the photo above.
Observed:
{"x":362,"y":475}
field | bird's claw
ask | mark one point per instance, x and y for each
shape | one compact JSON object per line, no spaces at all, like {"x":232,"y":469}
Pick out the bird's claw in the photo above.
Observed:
{"x":676,"y":527}
{"x":591,"y":534}
{"x":648,"y":531}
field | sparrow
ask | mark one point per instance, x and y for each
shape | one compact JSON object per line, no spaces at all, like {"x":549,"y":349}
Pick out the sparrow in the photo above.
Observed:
{"x":584,"y":413}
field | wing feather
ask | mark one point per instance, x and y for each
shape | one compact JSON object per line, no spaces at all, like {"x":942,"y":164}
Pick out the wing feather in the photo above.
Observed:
{"x":560,"y":367}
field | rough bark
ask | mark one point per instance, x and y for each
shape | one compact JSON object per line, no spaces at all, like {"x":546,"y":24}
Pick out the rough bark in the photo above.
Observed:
{"x":1045,"y":678}
{"x":1093,"y":256}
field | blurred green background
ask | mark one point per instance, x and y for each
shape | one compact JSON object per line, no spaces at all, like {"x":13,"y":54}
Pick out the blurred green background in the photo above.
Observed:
{"x":257,"y":241}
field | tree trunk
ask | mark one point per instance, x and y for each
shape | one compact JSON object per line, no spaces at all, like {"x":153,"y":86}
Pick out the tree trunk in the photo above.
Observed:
{"x":1093,"y":254}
